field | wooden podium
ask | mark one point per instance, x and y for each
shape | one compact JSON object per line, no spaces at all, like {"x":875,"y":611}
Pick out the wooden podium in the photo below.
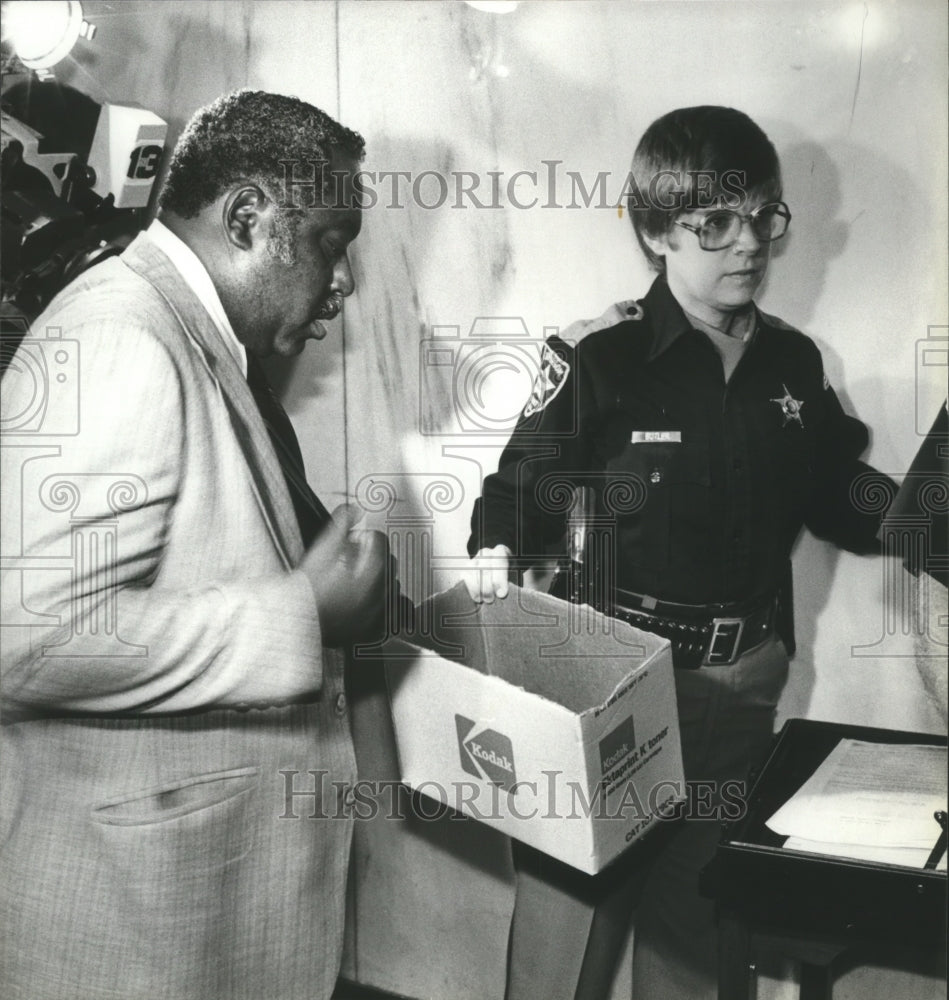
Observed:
{"x":813,"y":907}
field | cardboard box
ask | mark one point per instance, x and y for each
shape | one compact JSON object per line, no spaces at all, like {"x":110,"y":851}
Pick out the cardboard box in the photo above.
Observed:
{"x":547,"y":721}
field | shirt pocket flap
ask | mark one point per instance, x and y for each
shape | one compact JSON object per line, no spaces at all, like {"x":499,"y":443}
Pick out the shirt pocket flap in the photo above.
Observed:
{"x":670,"y":463}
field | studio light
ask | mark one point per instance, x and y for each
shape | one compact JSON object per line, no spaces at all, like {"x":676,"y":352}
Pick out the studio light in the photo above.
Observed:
{"x":43,"y":32}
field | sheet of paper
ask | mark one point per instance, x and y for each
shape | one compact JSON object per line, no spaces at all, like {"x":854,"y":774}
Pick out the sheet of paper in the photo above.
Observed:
{"x":909,"y":857}
{"x":872,"y":794}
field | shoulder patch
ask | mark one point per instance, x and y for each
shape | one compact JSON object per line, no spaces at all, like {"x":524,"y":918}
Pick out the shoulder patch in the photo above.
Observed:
{"x":619,"y":312}
{"x":826,"y":382}
{"x":553,"y":373}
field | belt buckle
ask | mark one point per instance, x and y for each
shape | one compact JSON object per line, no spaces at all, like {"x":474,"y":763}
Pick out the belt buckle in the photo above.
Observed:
{"x":726,"y":636}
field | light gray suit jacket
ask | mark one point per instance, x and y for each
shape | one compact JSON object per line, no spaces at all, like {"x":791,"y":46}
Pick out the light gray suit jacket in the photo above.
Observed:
{"x":164,"y":688}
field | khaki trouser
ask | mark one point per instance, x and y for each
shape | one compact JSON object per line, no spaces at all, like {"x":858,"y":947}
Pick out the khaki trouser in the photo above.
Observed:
{"x":569,"y":929}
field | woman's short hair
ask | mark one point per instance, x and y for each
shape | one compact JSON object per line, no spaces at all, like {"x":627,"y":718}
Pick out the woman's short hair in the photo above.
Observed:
{"x":692,"y":158}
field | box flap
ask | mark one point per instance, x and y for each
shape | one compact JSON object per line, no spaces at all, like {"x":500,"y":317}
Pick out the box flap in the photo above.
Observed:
{"x":561,"y":652}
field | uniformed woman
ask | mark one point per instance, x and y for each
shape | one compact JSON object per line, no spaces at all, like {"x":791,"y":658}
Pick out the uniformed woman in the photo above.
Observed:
{"x":709,"y":434}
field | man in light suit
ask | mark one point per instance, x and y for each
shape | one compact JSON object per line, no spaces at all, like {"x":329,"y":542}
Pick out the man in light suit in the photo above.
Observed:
{"x":175,"y":741}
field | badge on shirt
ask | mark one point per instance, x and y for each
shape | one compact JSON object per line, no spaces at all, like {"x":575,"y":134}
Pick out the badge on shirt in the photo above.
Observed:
{"x":654,"y":437}
{"x":790,"y":407}
{"x":553,"y":373}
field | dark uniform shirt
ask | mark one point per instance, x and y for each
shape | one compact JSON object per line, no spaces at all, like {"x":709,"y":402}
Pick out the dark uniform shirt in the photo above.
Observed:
{"x":710,"y":482}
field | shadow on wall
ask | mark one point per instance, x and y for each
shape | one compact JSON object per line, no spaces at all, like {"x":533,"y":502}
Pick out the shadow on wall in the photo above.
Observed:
{"x":879,"y":239}
{"x":816,"y":237}
{"x":872,"y":244}
{"x":796,"y":279}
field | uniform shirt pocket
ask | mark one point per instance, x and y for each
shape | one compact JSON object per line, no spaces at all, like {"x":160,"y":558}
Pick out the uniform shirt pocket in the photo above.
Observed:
{"x":671,"y":463}
{"x":675,"y":478}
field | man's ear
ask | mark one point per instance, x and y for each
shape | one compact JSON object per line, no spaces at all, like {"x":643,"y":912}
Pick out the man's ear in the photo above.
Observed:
{"x":247,"y":214}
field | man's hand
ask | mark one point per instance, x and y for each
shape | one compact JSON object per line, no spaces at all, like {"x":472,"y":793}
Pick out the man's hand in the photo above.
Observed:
{"x":486,"y":578}
{"x":348,"y":571}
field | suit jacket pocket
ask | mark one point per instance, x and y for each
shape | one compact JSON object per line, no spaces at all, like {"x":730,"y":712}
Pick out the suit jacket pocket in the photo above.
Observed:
{"x":200,"y":823}
{"x":178,"y":799}
{"x":177,"y":866}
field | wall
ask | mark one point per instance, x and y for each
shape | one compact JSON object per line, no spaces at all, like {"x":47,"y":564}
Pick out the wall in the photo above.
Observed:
{"x":852,"y":94}
{"x":852,"y":97}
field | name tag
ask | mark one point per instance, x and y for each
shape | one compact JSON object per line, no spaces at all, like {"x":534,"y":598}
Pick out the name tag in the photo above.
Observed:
{"x":650,"y":437}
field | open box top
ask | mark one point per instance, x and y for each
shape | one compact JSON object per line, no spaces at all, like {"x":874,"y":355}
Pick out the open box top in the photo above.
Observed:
{"x":556,"y":641}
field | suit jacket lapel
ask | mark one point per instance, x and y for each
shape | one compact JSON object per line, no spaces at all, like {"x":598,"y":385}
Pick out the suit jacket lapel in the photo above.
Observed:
{"x":150,"y":263}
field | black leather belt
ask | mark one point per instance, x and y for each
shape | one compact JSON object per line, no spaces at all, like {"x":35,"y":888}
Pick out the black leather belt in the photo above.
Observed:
{"x":701,"y":635}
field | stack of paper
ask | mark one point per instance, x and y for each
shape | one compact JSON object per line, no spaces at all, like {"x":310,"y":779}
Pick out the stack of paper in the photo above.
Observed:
{"x":872,"y":801}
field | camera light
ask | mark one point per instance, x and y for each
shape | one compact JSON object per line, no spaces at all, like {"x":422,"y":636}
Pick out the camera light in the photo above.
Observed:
{"x":42,"y":32}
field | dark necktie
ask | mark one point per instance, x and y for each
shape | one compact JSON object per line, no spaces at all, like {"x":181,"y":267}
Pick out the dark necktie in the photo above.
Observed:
{"x":312,"y":516}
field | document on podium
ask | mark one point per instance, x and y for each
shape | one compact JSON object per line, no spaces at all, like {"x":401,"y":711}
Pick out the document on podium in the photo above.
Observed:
{"x":873,"y":801}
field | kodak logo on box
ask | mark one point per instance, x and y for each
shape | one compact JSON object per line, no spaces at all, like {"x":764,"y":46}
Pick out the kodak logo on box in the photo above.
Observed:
{"x":617,"y":744}
{"x":487,"y":755}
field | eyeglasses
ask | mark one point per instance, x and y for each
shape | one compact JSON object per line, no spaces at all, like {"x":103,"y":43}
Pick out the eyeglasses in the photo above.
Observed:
{"x":720,"y":229}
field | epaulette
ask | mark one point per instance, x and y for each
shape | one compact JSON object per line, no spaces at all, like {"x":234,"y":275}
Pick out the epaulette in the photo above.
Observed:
{"x":777,"y":322}
{"x":619,"y":312}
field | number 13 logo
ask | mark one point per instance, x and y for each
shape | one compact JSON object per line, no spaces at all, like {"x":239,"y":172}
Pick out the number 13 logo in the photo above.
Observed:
{"x":143,"y":163}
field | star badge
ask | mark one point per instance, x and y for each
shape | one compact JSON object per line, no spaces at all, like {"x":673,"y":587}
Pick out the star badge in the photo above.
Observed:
{"x":790,"y":407}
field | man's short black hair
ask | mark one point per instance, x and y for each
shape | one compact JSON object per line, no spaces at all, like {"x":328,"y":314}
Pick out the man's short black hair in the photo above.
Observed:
{"x":701,"y":157}
{"x":245,"y":135}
